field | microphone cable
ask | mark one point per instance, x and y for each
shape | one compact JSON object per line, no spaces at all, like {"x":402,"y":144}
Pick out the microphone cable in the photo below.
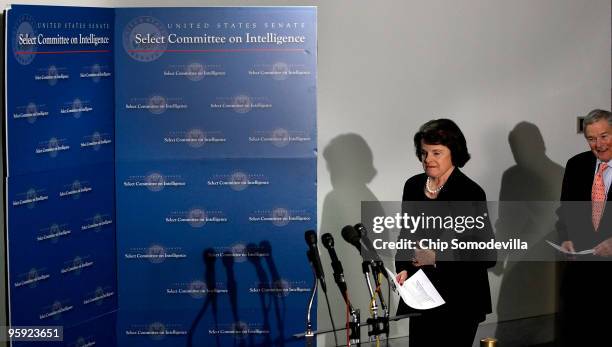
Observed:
{"x":331,"y":318}
{"x":376,"y":293}
{"x":348,"y":324}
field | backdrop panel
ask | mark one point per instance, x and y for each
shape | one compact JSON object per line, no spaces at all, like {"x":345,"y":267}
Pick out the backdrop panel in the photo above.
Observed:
{"x":59,"y":152}
{"x":216,"y":173}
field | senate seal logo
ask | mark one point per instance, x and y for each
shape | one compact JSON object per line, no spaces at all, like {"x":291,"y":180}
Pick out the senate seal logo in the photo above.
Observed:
{"x":53,"y":145}
{"x":32,"y":109}
{"x":80,"y":342}
{"x":31,"y":195}
{"x":195,"y":72}
{"x":197,"y":217}
{"x":144,"y":52}
{"x":280,"y":216}
{"x":239,"y":251}
{"x":96,"y":70}
{"x":196,"y":138}
{"x":54,"y":229}
{"x":24,"y":54}
{"x":157,"y":331}
{"x":155,"y":254}
{"x":57,"y":306}
{"x":281,"y":287}
{"x":77,"y":263}
{"x":77,"y":105}
{"x":157,"y":104}
{"x":75,"y":187}
{"x":97,"y":220}
{"x":280,"y":137}
{"x":197,"y":289}
{"x":99,"y":293}
{"x":239,"y":181}
{"x":241,"y":329}
{"x":32,"y":275}
{"x":52,"y":72}
{"x":155,"y":182}
{"x":242,"y":103}
{"x":96,"y":138}
{"x":280,"y":71}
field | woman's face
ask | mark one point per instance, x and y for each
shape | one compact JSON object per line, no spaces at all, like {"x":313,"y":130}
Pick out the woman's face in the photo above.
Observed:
{"x":436,"y":159}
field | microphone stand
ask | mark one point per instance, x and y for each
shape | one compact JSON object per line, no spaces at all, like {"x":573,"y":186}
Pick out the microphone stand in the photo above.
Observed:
{"x":365,"y":267}
{"x":354,"y":324}
{"x":309,"y":335}
{"x":327,"y":331}
{"x":380,"y":325}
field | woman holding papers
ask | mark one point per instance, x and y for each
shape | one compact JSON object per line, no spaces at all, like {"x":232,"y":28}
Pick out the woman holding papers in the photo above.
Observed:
{"x":460,"y":276}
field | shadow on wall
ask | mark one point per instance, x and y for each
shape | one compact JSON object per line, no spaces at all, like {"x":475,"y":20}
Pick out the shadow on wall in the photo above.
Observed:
{"x":527,"y":289}
{"x":271,"y":305}
{"x":350,"y":164}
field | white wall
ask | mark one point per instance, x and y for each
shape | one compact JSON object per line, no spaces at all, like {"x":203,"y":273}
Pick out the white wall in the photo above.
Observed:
{"x":385,"y":67}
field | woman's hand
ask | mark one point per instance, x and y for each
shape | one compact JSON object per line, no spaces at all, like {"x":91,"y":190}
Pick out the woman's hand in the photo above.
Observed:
{"x":401,"y":277}
{"x":424,"y":257}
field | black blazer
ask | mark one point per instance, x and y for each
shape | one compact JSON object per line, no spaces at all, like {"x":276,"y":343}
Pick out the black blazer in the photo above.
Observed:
{"x":574,"y":221}
{"x":464,"y":285}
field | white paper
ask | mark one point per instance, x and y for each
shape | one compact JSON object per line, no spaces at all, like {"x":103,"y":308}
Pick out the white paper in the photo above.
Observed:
{"x":562,"y":250}
{"x":418,"y":291}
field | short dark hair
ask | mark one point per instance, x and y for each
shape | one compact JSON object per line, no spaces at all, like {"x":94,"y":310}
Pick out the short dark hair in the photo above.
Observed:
{"x":443,"y":132}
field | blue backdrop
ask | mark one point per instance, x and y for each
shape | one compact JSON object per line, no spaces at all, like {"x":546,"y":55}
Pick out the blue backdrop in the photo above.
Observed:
{"x":161,"y":172}
{"x":216,"y":175}
{"x":59,"y":152}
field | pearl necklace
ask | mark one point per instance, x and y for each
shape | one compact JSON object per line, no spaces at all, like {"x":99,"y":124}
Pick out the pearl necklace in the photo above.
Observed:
{"x":432,"y":191}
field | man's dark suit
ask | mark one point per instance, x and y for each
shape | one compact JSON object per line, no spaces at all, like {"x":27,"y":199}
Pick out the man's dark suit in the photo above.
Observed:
{"x":463,"y":284}
{"x":586,"y":284}
{"x":577,"y":184}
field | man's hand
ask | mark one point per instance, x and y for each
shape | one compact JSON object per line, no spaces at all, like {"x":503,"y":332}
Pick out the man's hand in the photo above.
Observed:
{"x":424,"y":257}
{"x":568,"y":246}
{"x":604,"y":249}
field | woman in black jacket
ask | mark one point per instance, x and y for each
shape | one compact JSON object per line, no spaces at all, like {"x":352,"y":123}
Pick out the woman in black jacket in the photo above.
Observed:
{"x":459,"y":275}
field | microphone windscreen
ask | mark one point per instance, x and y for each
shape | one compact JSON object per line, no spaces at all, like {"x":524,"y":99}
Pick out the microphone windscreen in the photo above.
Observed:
{"x":328,"y":240}
{"x":311,"y":237}
{"x":361,"y":230}
{"x":351,"y":236}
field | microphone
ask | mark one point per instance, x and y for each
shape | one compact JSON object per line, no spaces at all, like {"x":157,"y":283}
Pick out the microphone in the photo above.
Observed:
{"x":357,"y":237}
{"x":366,"y":243}
{"x":313,"y":254}
{"x":378,"y":267}
{"x":370,"y":252}
{"x":328,"y":242}
{"x":350,"y":235}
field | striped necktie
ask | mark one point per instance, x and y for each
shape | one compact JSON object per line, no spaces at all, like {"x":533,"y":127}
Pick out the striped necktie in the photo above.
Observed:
{"x":598,"y":195}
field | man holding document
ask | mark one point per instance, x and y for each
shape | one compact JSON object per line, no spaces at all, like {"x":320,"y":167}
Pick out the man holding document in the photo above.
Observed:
{"x":585,"y":231}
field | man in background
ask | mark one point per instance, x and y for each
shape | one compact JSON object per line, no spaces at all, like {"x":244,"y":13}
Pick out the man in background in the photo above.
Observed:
{"x":585,"y":223}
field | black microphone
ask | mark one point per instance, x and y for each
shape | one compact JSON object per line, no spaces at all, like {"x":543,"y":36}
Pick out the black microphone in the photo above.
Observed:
{"x":350,"y":235}
{"x":356,"y":237}
{"x":370,"y":252}
{"x":366,"y":243}
{"x":328,"y":242}
{"x":313,"y":254}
